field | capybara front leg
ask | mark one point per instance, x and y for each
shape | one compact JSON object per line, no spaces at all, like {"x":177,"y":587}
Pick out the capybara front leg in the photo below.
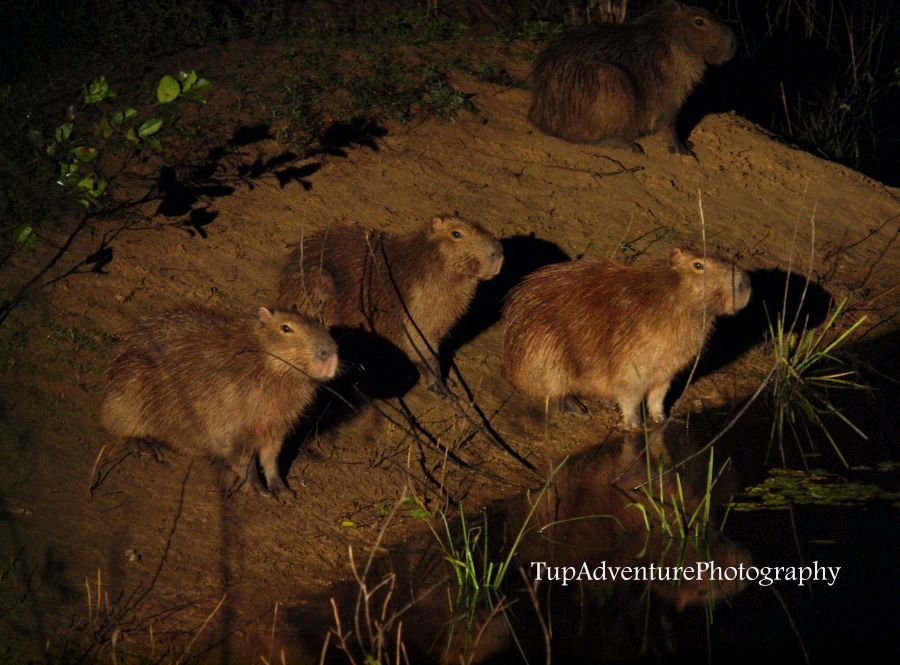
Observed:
{"x":268,"y":460}
{"x":656,"y":397}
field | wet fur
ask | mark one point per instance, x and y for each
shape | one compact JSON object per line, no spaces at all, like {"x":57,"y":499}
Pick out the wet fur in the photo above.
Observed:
{"x":596,"y":328}
{"x":614,"y":83}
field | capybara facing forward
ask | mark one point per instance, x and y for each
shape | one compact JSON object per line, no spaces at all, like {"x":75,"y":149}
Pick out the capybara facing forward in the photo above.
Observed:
{"x":611,"y":83}
{"x":410,"y":289}
{"x":595,"y":328}
{"x":214,"y":384}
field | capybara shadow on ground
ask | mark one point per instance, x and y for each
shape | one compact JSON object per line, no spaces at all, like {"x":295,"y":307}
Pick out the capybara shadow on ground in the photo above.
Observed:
{"x":371,"y":368}
{"x":523,"y":255}
{"x":737,"y":334}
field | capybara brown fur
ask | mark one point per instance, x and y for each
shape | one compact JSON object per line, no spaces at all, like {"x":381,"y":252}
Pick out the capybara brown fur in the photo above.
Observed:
{"x":595,"y":328}
{"x":611,"y":83}
{"x":215,"y":384}
{"x":409,"y":289}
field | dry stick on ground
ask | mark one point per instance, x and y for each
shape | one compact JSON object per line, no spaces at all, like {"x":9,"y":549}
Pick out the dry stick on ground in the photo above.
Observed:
{"x":375,"y":627}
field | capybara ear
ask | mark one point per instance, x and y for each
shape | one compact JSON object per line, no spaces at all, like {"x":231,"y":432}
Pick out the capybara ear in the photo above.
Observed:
{"x":437,"y":223}
{"x":264,"y":314}
{"x":674,"y":255}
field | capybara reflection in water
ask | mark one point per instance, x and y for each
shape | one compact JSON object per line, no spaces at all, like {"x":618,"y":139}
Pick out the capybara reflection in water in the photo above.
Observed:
{"x":215,"y":384}
{"x":409,"y":289}
{"x":611,"y":83}
{"x":596,"y":328}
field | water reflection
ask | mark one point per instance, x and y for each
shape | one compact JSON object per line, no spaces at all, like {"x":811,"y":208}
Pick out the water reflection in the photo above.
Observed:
{"x":592,"y":516}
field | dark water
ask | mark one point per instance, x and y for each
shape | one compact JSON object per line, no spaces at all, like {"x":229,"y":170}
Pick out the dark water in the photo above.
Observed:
{"x":588,"y":514}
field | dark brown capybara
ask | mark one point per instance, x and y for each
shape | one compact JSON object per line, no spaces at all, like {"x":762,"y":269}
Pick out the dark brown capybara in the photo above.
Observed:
{"x":595,"y":328}
{"x":611,"y":83}
{"x":215,"y":384}
{"x":410,"y":289}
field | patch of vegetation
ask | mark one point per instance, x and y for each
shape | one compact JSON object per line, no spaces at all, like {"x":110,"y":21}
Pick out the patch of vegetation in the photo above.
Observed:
{"x":807,"y":371}
{"x":826,"y":74}
{"x":786,"y":487}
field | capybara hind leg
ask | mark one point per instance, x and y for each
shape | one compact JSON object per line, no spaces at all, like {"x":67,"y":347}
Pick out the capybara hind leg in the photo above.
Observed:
{"x":571,"y":404}
{"x":268,"y":460}
{"x":656,"y":396}
{"x":620,"y":144}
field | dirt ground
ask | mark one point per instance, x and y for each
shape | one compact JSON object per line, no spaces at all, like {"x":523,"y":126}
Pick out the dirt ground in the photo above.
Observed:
{"x":165,"y":546}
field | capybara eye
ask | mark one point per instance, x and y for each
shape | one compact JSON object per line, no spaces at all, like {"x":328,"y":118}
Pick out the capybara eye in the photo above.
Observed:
{"x":456,"y":235}
{"x":699,"y":21}
{"x":286,"y":329}
{"x":698,"y":265}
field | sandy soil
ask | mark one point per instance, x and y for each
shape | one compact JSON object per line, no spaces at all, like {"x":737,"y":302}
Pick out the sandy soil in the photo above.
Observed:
{"x":164,"y":542}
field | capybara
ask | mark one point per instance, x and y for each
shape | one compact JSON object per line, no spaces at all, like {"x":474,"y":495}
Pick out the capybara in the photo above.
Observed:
{"x":221,"y":385}
{"x":595,"y":328}
{"x":611,"y":83}
{"x":409,"y":289}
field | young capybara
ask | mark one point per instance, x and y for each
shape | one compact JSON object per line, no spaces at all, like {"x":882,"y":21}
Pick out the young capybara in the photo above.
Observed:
{"x":220,"y":385}
{"x":595,"y":328}
{"x":611,"y":83}
{"x":409,"y":289}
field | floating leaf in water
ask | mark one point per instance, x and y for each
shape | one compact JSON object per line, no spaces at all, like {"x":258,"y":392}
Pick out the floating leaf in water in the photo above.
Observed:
{"x":786,"y":487}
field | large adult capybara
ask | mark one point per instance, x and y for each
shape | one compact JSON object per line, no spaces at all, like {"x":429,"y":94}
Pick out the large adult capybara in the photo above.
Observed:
{"x":215,"y":384}
{"x":409,"y":289}
{"x":611,"y":83}
{"x":595,"y":328}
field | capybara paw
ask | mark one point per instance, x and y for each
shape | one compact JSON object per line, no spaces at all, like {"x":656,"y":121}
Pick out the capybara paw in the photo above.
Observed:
{"x":682,"y":148}
{"x":441,"y":389}
{"x":573,"y":405}
{"x":621,"y":144}
{"x":149,"y":450}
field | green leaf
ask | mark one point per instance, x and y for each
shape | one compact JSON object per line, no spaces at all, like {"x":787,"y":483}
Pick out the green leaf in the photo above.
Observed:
{"x":63,"y":132}
{"x":348,"y":524}
{"x":84,"y":153}
{"x":168,"y":89}
{"x":130,"y":113}
{"x":155,"y":143}
{"x":116,"y":119}
{"x":202,"y":83}
{"x":419,"y":513}
{"x":24,"y":235}
{"x":131,"y":135}
{"x":104,"y":128}
{"x":97,"y":91}
{"x":188,"y":79}
{"x":149,"y":127}
{"x":66,"y":169}
{"x":195,"y":96}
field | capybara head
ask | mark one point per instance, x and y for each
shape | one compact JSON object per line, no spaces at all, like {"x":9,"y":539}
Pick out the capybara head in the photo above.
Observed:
{"x":468,"y":247}
{"x":702,"y":33}
{"x":723,"y":286}
{"x":296,"y":342}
